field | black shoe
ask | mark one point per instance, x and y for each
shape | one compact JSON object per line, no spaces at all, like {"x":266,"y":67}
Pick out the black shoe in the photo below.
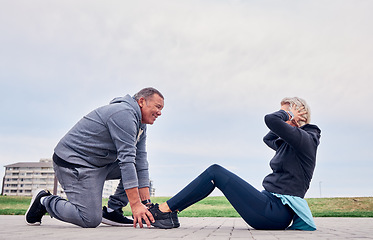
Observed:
{"x":175,"y":220}
{"x":36,"y":210}
{"x":115,"y":218}
{"x":162,"y":220}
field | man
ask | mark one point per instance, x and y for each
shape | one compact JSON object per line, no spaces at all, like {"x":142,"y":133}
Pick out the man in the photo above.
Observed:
{"x":108,"y":143}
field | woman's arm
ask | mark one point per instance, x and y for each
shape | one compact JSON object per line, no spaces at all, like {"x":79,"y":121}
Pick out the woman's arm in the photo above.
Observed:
{"x":277,"y":123}
{"x":270,"y":140}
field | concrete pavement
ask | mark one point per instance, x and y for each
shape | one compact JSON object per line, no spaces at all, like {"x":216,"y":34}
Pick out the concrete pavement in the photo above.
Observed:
{"x":14,"y":227}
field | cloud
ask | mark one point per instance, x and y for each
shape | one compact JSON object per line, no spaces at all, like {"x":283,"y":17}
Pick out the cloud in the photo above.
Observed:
{"x":235,"y":48}
{"x":221,"y":65}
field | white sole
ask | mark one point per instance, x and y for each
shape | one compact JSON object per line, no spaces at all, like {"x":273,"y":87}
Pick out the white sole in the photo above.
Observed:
{"x":111,"y":223}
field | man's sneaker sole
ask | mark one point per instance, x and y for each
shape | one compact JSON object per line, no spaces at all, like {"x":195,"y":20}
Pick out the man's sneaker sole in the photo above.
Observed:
{"x":115,"y":218}
{"x":112,"y":223}
{"x":32,"y":203}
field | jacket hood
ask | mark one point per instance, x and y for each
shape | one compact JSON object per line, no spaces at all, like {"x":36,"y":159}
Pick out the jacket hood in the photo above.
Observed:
{"x":127,"y":99}
{"x":314,"y":130}
{"x":130,"y":101}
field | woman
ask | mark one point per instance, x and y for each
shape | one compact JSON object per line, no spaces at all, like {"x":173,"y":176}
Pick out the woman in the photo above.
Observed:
{"x":295,"y":142}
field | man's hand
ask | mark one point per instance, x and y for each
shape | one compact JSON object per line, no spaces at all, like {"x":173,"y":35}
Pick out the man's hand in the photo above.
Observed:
{"x":140,"y":212}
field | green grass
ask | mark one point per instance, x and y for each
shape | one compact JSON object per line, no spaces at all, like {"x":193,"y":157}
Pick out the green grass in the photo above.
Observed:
{"x":341,"y":207}
{"x":220,"y":207}
{"x":14,"y":205}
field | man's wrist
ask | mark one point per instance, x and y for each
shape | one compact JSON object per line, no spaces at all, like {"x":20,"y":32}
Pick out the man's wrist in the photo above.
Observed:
{"x":147,"y":202}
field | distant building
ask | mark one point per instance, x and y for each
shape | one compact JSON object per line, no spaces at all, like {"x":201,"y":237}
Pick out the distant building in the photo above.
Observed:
{"x":109,"y":188}
{"x":23,"y":178}
{"x":151,"y":189}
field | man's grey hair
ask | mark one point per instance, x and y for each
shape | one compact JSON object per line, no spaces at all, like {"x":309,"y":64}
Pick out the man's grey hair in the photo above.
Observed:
{"x":147,"y":93}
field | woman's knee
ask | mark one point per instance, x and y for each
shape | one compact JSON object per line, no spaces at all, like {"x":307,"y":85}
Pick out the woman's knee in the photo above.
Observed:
{"x":218,"y":171}
{"x":214,"y":168}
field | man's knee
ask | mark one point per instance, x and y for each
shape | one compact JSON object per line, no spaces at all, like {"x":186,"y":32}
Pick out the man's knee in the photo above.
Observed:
{"x":90,"y":219}
{"x":92,"y":223}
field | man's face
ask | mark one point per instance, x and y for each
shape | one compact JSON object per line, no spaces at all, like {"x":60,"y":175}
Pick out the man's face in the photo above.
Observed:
{"x":151,"y":108}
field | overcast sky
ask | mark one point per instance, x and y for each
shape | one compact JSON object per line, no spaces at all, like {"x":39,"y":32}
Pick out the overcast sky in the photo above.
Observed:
{"x":221,"y":65}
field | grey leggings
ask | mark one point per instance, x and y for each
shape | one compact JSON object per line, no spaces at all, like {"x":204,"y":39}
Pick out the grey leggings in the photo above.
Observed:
{"x":83,"y":187}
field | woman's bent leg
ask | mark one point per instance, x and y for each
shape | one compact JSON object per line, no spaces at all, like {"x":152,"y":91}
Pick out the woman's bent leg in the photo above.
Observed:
{"x":195,"y":191}
{"x":260,"y":210}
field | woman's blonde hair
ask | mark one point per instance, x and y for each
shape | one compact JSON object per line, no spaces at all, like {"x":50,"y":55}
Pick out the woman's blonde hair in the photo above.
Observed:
{"x":299,"y":102}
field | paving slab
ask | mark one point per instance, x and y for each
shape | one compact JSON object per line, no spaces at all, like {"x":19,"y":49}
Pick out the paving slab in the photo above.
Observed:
{"x":14,"y":227}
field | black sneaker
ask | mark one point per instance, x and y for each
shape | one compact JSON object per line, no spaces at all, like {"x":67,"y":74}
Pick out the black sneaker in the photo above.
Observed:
{"x":115,"y":218}
{"x":36,"y":210}
{"x":175,"y":220}
{"x":162,"y":220}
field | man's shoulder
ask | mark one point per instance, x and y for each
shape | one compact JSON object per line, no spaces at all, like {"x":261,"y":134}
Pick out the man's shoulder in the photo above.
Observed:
{"x":114,"y":109}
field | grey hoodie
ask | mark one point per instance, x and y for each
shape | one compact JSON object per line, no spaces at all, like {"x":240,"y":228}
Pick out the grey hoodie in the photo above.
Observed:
{"x":106,"y":134}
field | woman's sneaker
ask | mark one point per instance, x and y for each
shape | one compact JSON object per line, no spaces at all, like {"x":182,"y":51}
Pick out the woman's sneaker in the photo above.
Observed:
{"x":175,"y":220}
{"x":162,"y":219}
{"x":36,"y":210}
{"x":115,"y":218}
